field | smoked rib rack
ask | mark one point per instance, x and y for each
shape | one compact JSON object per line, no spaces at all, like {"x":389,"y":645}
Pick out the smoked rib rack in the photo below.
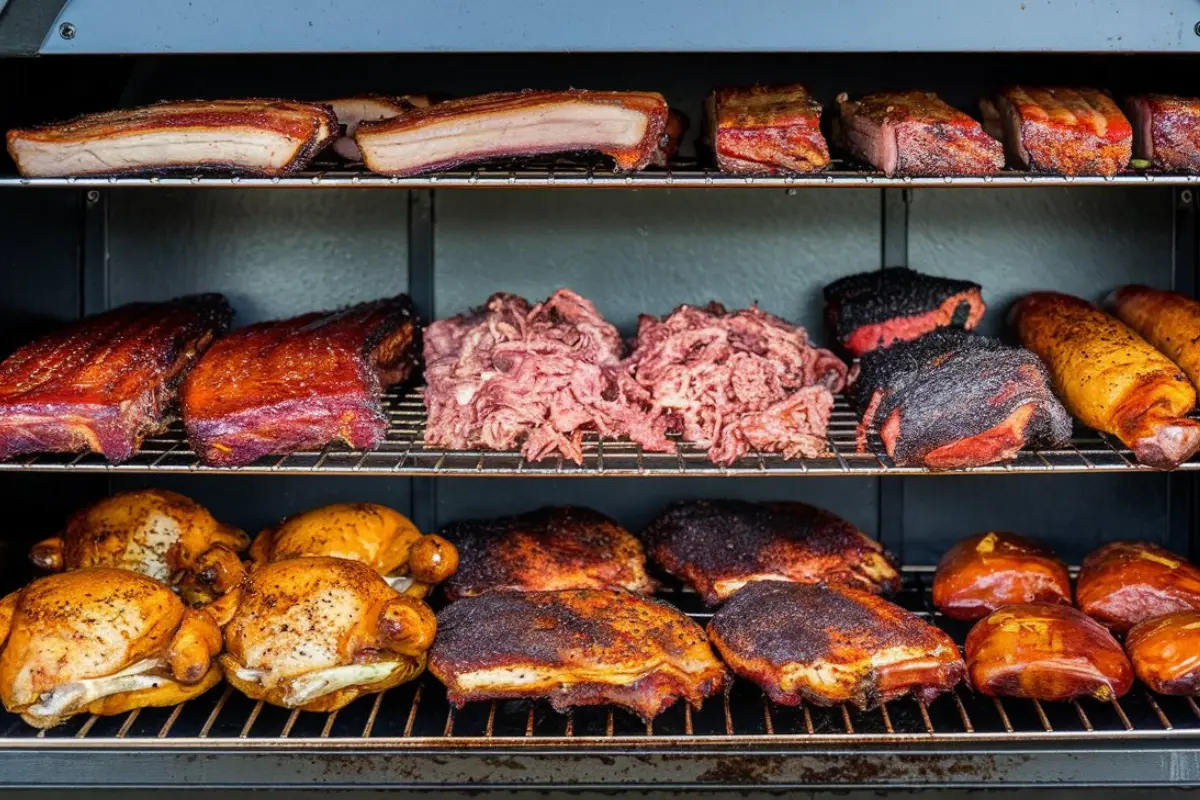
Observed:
{"x":403,"y":452}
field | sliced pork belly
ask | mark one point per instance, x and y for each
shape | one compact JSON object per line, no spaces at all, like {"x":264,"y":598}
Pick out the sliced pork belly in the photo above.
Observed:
{"x":1060,"y":130}
{"x":1166,"y":131}
{"x":352,"y":111}
{"x":677,"y":125}
{"x":952,"y":399}
{"x":878,"y":308}
{"x":248,"y":137}
{"x":915,"y":133}
{"x":628,"y":126}
{"x":765,"y":130}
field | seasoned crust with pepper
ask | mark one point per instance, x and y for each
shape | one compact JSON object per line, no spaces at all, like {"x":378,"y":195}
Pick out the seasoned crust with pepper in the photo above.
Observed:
{"x":831,"y":644}
{"x":575,"y":648}
{"x":718,"y":546}
{"x":545,"y":550}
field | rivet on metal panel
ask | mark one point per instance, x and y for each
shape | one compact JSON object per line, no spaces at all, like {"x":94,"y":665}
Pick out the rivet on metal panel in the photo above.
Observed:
{"x":67,"y":31}
{"x":1185,"y":197}
{"x":93,"y":196}
{"x":1196,"y":29}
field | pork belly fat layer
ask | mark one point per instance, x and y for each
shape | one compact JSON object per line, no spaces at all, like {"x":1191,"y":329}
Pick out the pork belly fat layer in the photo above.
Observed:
{"x":1061,"y":130}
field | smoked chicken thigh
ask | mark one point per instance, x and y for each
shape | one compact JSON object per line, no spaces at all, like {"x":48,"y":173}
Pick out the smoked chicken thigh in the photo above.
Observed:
{"x":989,"y":570}
{"x":1045,"y":652}
{"x":158,"y":533}
{"x":576,"y":648}
{"x":379,"y":537}
{"x":832,"y":644}
{"x":102,"y":641}
{"x":1123,"y":583}
{"x":317,"y":633}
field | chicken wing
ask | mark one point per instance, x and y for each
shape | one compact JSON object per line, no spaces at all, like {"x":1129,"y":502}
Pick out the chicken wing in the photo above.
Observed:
{"x":379,"y":537}
{"x":718,"y":547}
{"x":1045,"y":652}
{"x":989,"y":570}
{"x":578,"y":647}
{"x":158,"y":533}
{"x":1110,"y":378}
{"x":317,"y":633}
{"x":547,"y":549}
{"x":1123,"y":583}
{"x":101,"y":641}
{"x":1166,"y":653}
{"x":832,"y":644}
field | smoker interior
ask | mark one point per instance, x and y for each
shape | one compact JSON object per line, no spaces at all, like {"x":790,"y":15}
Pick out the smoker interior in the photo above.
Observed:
{"x":278,"y":250}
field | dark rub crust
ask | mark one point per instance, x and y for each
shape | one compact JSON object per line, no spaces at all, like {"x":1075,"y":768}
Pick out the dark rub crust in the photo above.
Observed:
{"x":870,"y":298}
{"x":709,"y":542}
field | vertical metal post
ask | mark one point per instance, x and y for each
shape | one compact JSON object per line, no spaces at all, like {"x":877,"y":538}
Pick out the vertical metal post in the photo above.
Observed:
{"x":893,"y":253}
{"x":421,"y":290}
{"x":93,"y":256}
{"x":1182,"y":493}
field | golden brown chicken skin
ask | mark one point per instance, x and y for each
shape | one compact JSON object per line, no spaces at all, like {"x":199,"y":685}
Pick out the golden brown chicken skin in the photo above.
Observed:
{"x":317,"y":633}
{"x":101,"y":641}
{"x":1110,"y":378}
{"x":718,"y":547}
{"x":545,"y":550}
{"x":1123,"y":583}
{"x":1168,"y":320}
{"x":379,"y":537}
{"x":832,"y":644}
{"x":1166,"y":653}
{"x":1041,"y":651}
{"x":158,"y":533}
{"x":989,"y":570}
{"x":577,"y":647}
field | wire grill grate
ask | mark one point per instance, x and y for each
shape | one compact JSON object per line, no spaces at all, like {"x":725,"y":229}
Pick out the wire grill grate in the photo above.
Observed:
{"x":418,"y":715}
{"x":404,"y":452}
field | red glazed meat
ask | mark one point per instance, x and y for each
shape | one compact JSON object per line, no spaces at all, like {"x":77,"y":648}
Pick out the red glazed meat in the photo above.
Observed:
{"x":1166,"y":131}
{"x":1124,"y":583}
{"x":104,"y":383}
{"x":766,"y":130}
{"x":1045,"y":652}
{"x":1063,"y":131}
{"x":277,"y":387}
{"x":989,"y":570}
{"x":1165,"y":652}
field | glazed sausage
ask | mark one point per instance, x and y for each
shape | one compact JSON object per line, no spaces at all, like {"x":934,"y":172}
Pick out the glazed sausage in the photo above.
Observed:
{"x":1110,"y":378}
{"x":1168,"y":320}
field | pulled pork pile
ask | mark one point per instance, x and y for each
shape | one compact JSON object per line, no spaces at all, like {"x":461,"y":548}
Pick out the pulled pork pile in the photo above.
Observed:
{"x":734,"y":381}
{"x":539,"y":376}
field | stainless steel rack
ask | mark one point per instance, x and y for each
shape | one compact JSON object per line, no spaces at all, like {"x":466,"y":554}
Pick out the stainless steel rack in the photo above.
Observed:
{"x":404,"y":452}
{"x":566,"y":176}
{"x":417,"y":718}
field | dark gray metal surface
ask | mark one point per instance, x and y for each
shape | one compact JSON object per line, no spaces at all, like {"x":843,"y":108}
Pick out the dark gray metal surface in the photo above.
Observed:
{"x":25,"y":25}
{"x":322,"y":26}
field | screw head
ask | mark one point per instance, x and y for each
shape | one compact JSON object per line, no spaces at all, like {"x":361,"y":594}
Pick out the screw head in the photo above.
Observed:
{"x":1185,"y":196}
{"x":1196,"y":28}
{"x":67,"y":30}
{"x":93,"y":196}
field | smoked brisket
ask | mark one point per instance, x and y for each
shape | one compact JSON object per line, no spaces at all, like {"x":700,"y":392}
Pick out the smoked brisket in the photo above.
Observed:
{"x":1166,"y":131}
{"x":766,"y":130}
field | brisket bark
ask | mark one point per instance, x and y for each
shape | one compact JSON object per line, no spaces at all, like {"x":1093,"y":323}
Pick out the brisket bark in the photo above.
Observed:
{"x":875,"y":309}
{"x":282,"y":386}
{"x":104,"y":383}
{"x":246,"y":137}
{"x":1166,"y":131}
{"x":951,"y":399}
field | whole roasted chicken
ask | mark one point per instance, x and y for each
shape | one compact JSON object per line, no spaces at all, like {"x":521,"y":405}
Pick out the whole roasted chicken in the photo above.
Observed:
{"x":1045,"y":652}
{"x":317,"y":633}
{"x":1123,"y":583}
{"x":102,"y":641}
{"x":989,"y":570}
{"x":383,"y":539}
{"x":832,"y":644}
{"x":158,"y":533}
{"x":1166,"y":653}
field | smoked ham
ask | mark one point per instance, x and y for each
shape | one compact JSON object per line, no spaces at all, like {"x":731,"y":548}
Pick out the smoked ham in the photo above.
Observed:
{"x":1124,"y":583}
{"x":1165,"y":652}
{"x":990,"y":570}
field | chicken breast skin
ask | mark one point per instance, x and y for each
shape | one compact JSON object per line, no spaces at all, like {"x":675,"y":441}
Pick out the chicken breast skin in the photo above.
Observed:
{"x":832,"y":644}
{"x":578,"y":647}
{"x":1168,"y":320}
{"x":990,"y":570}
{"x":545,"y":550}
{"x":1165,"y":653}
{"x":1110,"y":378}
{"x":101,"y":641}
{"x":376,"y":535}
{"x":1124,"y":583}
{"x":717,"y":547}
{"x":317,"y":633}
{"x":1049,"y":652}
{"x":159,"y":533}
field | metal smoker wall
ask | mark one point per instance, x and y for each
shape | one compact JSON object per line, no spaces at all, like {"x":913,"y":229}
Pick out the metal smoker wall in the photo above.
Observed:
{"x":277,"y":253}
